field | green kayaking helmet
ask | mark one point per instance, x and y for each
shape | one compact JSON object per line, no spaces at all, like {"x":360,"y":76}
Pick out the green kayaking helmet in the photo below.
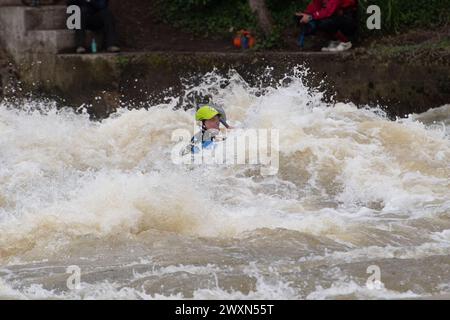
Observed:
{"x":208,"y":112}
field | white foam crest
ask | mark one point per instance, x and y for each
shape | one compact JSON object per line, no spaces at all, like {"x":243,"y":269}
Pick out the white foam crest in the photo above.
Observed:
{"x":99,"y":291}
{"x":61,"y":174}
{"x":352,"y":290}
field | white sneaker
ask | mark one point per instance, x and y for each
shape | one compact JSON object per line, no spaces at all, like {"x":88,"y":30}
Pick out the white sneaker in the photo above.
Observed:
{"x":342,"y":46}
{"x":81,"y":50}
{"x":113,"y":49}
{"x":332,"y":44}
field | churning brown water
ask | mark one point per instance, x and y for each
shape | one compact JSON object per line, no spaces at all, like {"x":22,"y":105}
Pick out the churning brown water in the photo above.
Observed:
{"x":355,"y":192}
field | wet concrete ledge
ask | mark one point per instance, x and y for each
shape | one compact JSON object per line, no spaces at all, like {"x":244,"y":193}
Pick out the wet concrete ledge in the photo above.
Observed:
{"x":143,"y":78}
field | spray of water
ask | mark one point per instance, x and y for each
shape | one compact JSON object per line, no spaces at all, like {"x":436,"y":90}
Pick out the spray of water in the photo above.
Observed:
{"x":353,"y":187}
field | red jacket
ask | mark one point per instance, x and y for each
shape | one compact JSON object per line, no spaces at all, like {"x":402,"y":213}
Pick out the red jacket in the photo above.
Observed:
{"x":322,"y":9}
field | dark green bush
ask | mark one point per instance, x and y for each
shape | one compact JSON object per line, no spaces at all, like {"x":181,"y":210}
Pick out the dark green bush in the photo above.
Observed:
{"x":211,"y":18}
{"x":399,"y":15}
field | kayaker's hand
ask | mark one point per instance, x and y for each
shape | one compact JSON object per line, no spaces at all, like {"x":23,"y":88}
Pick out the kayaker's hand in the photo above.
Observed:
{"x":306,"y":18}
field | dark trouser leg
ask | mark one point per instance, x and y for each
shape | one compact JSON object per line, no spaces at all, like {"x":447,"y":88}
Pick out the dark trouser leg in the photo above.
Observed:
{"x":108,"y":26}
{"x":80,"y":37}
{"x":345,"y":24}
{"x":348,"y":25}
{"x":80,"y":34}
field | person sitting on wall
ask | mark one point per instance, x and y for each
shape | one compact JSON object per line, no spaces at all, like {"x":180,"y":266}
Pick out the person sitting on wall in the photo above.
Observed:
{"x":337,"y":18}
{"x":95,"y":15}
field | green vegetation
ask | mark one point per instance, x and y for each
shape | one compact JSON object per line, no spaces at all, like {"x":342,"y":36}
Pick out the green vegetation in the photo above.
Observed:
{"x":400,"y":15}
{"x":434,"y":51}
{"x":122,"y":61}
{"x":210,"y":18}
{"x":220,"y":18}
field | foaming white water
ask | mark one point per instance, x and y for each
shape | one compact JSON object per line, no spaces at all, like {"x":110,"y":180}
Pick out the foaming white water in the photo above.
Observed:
{"x":346,"y":175}
{"x":264,"y":289}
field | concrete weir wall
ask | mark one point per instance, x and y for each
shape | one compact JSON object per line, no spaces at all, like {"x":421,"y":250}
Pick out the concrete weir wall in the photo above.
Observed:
{"x":143,"y":77}
{"x":37,"y":38}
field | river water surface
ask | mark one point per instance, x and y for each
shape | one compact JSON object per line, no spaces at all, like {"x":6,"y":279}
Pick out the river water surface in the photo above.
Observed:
{"x":355,"y":192}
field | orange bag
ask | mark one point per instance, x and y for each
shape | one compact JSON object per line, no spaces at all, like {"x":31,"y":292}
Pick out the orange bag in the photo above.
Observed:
{"x":244,"y":40}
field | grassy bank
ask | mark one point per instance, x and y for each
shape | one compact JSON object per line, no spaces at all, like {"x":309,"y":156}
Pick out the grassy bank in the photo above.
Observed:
{"x":424,"y":47}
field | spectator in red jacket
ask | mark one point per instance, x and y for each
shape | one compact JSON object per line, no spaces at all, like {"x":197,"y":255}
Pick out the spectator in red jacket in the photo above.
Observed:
{"x":337,"y":18}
